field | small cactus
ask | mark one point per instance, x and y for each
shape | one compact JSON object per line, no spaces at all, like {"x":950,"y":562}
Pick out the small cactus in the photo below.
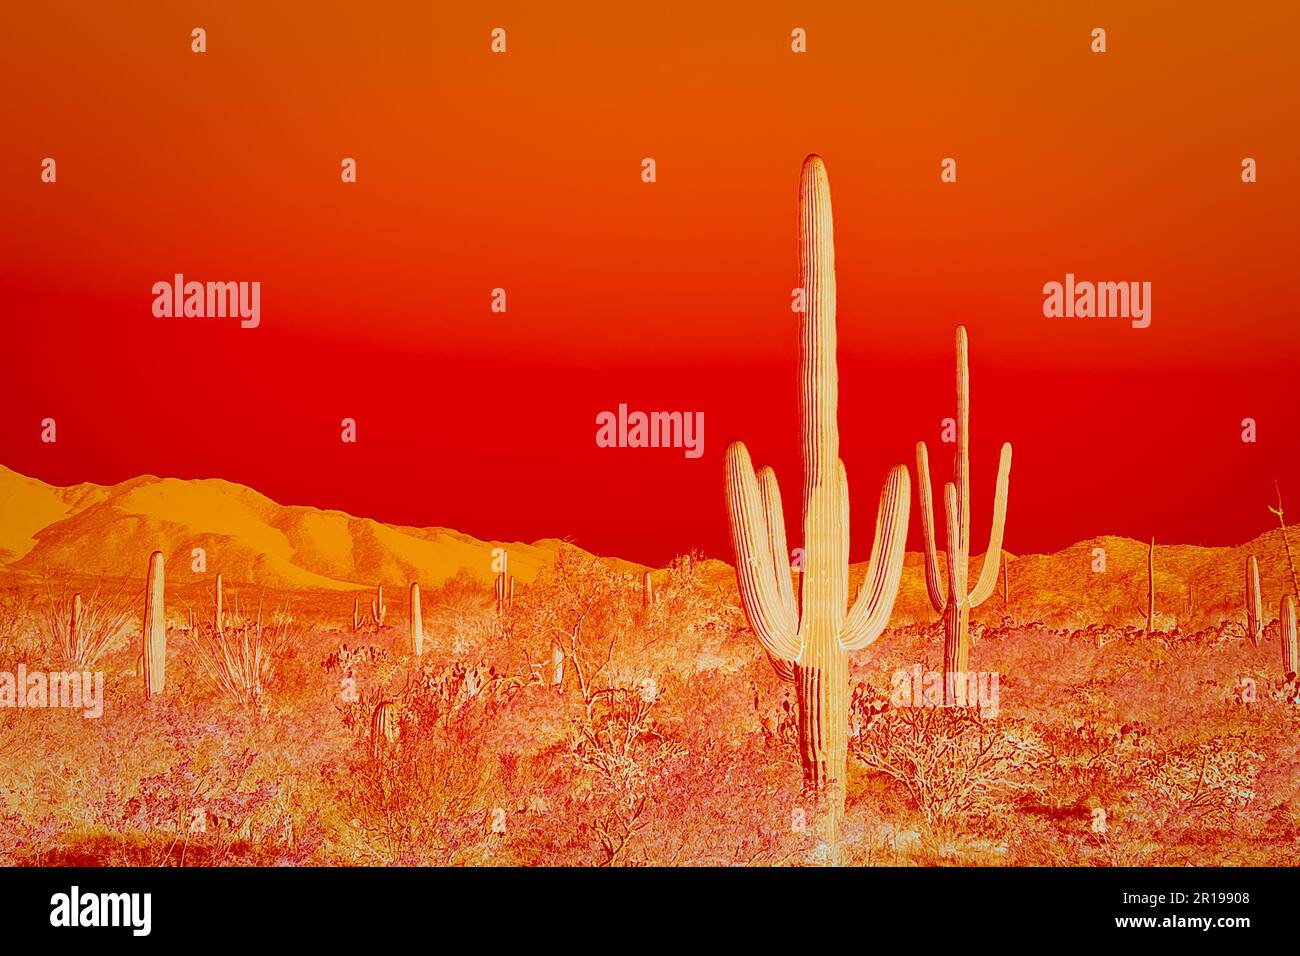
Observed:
{"x":383,"y":727}
{"x":1254,"y":602}
{"x":647,"y":590}
{"x":74,"y":625}
{"x":378,"y":610}
{"x":356,"y":613}
{"x":557,"y":664}
{"x":154,"y":652}
{"x":417,"y":622}
{"x":1290,"y":667}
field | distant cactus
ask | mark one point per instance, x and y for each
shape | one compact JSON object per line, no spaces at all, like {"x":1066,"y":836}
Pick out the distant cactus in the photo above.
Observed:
{"x":378,"y":610}
{"x":417,"y":622}
{"x":154,"y":652}
{"x":221,"y":617}
{"x":356,"y":613}
{"x":1151,"y":586}
{"x":505,"y":592}
{"x":383,"y":727}
{"x":1254,"y":602}
{"x":809,"y":642}
{"x":1290,"y":658}
{"x":956,"y":605}
{"x":557,"y":663}
{"x":505,"y":584}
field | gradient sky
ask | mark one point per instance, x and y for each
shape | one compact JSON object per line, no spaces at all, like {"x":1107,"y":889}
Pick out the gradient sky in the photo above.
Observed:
{"x":523,"y":171}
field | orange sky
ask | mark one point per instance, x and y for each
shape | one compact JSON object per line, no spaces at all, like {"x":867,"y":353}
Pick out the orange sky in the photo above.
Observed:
{"x":522,"y":171}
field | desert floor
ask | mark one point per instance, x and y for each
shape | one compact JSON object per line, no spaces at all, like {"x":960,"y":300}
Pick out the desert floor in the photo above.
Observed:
{"x":669,"y":742}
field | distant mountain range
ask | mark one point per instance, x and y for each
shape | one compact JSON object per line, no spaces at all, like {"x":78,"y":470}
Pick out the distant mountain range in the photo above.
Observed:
{"x":111,"y":530}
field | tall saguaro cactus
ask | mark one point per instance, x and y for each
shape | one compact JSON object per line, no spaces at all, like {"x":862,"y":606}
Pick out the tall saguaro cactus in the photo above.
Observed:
{"x":956,"y":604}
{"x":153,"y":655}
{"x":1254,"y":602}
{"x":810,"y":642}
{"x":417,"y":621}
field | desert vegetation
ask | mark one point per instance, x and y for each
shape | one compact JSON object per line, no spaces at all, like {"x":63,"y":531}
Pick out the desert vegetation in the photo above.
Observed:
{"x":659,"y":735}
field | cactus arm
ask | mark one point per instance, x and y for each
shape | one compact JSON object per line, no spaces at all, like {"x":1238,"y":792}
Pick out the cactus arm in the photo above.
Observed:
{"x":875,"y":601}
{"x":988,"y":579}
{"x":760,"y":595}
{"x":956,"y":566}
{"x":776,"y":539}
{"x":843,"y":560}
{"x":784,"y":669}
{"x":933,"y":580}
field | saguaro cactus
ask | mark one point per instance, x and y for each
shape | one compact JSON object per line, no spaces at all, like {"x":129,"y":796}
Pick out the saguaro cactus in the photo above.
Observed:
{"x":1254,"y":602}
{"x":356,"y":612}
{"x":378,"y":610}
{"x":153,"y":655}
{"x":505,"y":584}
{"x":647,"y":590}
{"x":221,"y":617}
{"x":1290,"y":667}
{"x":810,"y":642}
{"x":417,"y":622}
{"x":956,"y":604}
{"x":1151,"y":586}
{"x":557,"y":663}
{"x":383,"y":727}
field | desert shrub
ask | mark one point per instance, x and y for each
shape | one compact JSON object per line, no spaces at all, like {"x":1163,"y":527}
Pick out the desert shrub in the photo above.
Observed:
{"x":1210,"y":782}
{"x":240,"y":658}
{"x":419,"y":798}
{"x":957,"y":765}
{"x":579,"y":608}
{"x":625,"y":755}
{"x":79,"y":642}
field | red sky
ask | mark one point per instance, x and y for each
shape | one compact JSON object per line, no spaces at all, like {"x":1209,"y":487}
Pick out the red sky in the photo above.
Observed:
{"x":522,"y":171}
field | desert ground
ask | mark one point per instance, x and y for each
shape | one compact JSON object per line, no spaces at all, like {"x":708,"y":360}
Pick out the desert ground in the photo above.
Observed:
{"x":301,"y":728}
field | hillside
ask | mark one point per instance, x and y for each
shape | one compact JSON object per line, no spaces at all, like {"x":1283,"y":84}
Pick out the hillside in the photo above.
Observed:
{"x":95,"y":529}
